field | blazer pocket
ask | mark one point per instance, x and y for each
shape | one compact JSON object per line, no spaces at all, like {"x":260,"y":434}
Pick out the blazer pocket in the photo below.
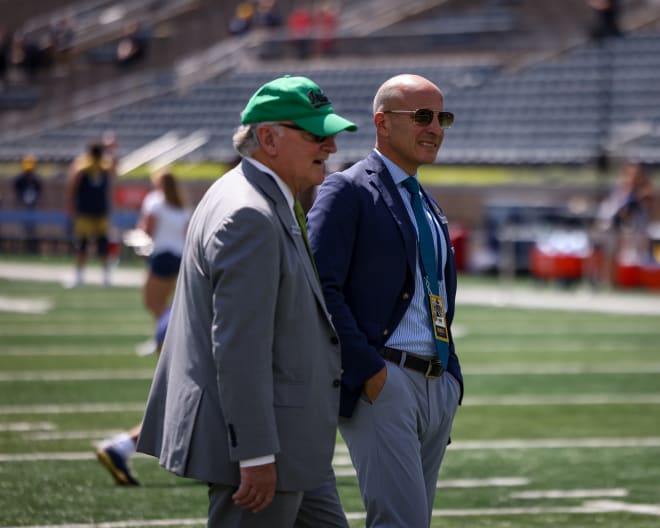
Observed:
{"x":180,"y":419}
{"x":290,"y":394}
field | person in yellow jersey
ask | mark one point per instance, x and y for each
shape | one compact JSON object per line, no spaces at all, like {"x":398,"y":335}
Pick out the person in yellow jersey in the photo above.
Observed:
{"x":88,"y":203}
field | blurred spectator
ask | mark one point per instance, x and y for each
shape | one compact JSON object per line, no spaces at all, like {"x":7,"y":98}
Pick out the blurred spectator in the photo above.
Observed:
{"x":63,"y":34}
{"x":132,"y":47}
{"x":325,"y":22}
{"x":299,"y":25}
{"x":88,"y":204}
{"x":164,"y":217}
{"x":5,"y":50}
{"x":623,"y":220}
{"x":241,"y":22}
{"x":27,"y":190}
{"x":267,"y":14}
{"x":606,"y":22}
{"x":31,"y":52}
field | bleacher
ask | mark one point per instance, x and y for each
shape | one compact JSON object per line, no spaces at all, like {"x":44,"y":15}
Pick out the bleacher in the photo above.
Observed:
{"x":566,"y":110}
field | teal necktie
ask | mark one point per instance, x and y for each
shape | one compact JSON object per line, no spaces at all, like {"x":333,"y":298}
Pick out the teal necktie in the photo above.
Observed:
{"x":428,"y":257}
{"x":302,"y":222}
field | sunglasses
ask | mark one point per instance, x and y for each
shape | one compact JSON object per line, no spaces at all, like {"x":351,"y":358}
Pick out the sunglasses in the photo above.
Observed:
{"x":313,"y":137}
{"x":424,"y":116}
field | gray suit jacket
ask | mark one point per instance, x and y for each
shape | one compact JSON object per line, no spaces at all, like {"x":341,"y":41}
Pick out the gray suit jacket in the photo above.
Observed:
{"x":251,"y":362}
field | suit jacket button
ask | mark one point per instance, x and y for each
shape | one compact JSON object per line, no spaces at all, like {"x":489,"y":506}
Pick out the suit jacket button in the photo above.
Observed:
{"x":406,"y":296}
{"x":386,"y":332}
{"x":336,"y":383}
{"x":334,"y":340}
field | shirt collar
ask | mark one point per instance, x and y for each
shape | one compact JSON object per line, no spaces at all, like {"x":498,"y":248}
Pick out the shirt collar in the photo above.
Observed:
{"x":284,"y":188}
{"x":398,"y":174}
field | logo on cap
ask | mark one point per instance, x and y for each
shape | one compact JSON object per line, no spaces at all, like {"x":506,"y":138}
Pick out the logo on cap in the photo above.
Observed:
{"x":317,"y":98}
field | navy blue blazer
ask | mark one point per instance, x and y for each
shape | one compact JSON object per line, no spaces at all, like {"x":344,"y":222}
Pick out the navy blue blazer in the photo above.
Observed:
{"x":365,"y":247}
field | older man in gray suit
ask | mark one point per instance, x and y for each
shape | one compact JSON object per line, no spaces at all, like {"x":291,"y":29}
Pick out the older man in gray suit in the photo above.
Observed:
{"x":246,"y":391}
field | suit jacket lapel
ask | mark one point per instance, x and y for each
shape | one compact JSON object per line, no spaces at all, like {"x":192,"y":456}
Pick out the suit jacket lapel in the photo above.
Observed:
{"x":289,"y":223}
{"x":382,"y":179}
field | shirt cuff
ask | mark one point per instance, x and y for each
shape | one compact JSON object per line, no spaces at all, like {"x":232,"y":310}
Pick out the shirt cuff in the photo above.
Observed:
{"x":258,"y":461}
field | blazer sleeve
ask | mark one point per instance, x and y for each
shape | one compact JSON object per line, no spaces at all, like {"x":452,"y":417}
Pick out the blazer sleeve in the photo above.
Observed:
{"x":243,"y":256}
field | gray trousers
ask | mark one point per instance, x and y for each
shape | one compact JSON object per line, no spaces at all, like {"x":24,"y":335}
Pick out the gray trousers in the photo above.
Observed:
{"x":397,"y":444}
{"x":319,"y":508}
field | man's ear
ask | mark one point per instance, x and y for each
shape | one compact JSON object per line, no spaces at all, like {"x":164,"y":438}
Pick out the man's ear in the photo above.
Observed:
{"x":266,"y":136}
{"x":382,"y":125}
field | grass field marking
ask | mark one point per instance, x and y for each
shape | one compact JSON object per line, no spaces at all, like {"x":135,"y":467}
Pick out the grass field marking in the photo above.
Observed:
{"x":569,"y":494}
{"x":78,"y":375}
{"x":616,"y":506}
{"x":589,"y":507}
{"x":562,"y":369}
{"x":561,"y":399}
{"x":40,"y":457}
{"x":19,"y":427}
{"x":123,"y":524}
{"x":491,"y":482}
{"x":64,"y":275}
{"x":27,"y":306}
{"x":19,"y":351}
{"x":562,"y":301}
{"x":345,"y":461}
{"x":39,"y":436}
{"x":554,"y":443}
{"x":72,"y":408}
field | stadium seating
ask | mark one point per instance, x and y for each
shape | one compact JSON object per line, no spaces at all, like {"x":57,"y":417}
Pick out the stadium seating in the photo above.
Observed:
{"x":600,"y":97}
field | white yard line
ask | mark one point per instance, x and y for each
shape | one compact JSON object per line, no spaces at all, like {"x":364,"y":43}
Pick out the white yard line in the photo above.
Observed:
{"x":39,"y":436}
{"x":600,"y":302}
{"x":493,"y":482}
{"x":342,"y":460}
{"x":589,"y":507}
{"x":569,"y":494}
{"x":20,"y":427}
{"x":100,"y":374}
{"x":78,"y":375}
{"x":72,"y":408}
{"x":122,"y":524}
{"x":555,"y":443}
{"x":562,"y":369}
{"x":27,"y":306}
{"x":483,"y":294}
{"x":485,"y":401}
{"x":562,"y":399}
{"x":69,"y":350}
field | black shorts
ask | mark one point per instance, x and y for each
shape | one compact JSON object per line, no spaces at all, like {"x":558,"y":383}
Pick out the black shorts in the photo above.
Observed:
{"x":165,"y":265}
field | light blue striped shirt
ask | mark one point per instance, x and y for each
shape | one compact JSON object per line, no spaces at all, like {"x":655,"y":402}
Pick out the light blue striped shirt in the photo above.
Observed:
{"x":414,"y":333}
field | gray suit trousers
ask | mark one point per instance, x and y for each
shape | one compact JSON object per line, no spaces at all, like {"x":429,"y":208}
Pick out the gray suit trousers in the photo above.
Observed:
{"x":318,"y":508}
{"x":397,"y":444}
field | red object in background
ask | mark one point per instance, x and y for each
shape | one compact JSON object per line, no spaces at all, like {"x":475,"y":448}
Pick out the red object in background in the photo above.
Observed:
{"x":129,"y":196}
{"x":649,"y":277}
{"x":626,"y":275}
{"x":552,"y":266}
{"x":459,"y":241}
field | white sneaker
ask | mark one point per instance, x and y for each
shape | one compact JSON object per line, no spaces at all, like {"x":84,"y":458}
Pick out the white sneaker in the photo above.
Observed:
{"x":146,"y":348}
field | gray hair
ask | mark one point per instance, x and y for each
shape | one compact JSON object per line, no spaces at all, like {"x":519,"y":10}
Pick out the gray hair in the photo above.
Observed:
{"x":245,"y":139}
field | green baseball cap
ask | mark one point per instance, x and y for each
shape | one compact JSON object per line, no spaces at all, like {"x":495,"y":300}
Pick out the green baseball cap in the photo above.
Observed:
{"x":296,"y":99}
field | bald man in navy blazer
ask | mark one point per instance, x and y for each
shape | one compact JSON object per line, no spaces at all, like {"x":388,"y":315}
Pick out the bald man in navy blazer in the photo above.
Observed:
{"x":397,"y":400}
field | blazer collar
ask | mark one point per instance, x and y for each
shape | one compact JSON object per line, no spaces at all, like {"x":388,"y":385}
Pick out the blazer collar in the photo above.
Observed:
{"x":266,"y":184}
{"x":382,"y":180}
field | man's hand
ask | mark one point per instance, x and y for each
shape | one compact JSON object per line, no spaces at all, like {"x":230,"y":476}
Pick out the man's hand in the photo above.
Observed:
{"x":375,"y":384}
{"x":257,"y":487}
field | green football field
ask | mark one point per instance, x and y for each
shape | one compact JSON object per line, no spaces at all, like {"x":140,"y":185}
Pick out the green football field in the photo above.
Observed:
{"x":560,"y":424}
